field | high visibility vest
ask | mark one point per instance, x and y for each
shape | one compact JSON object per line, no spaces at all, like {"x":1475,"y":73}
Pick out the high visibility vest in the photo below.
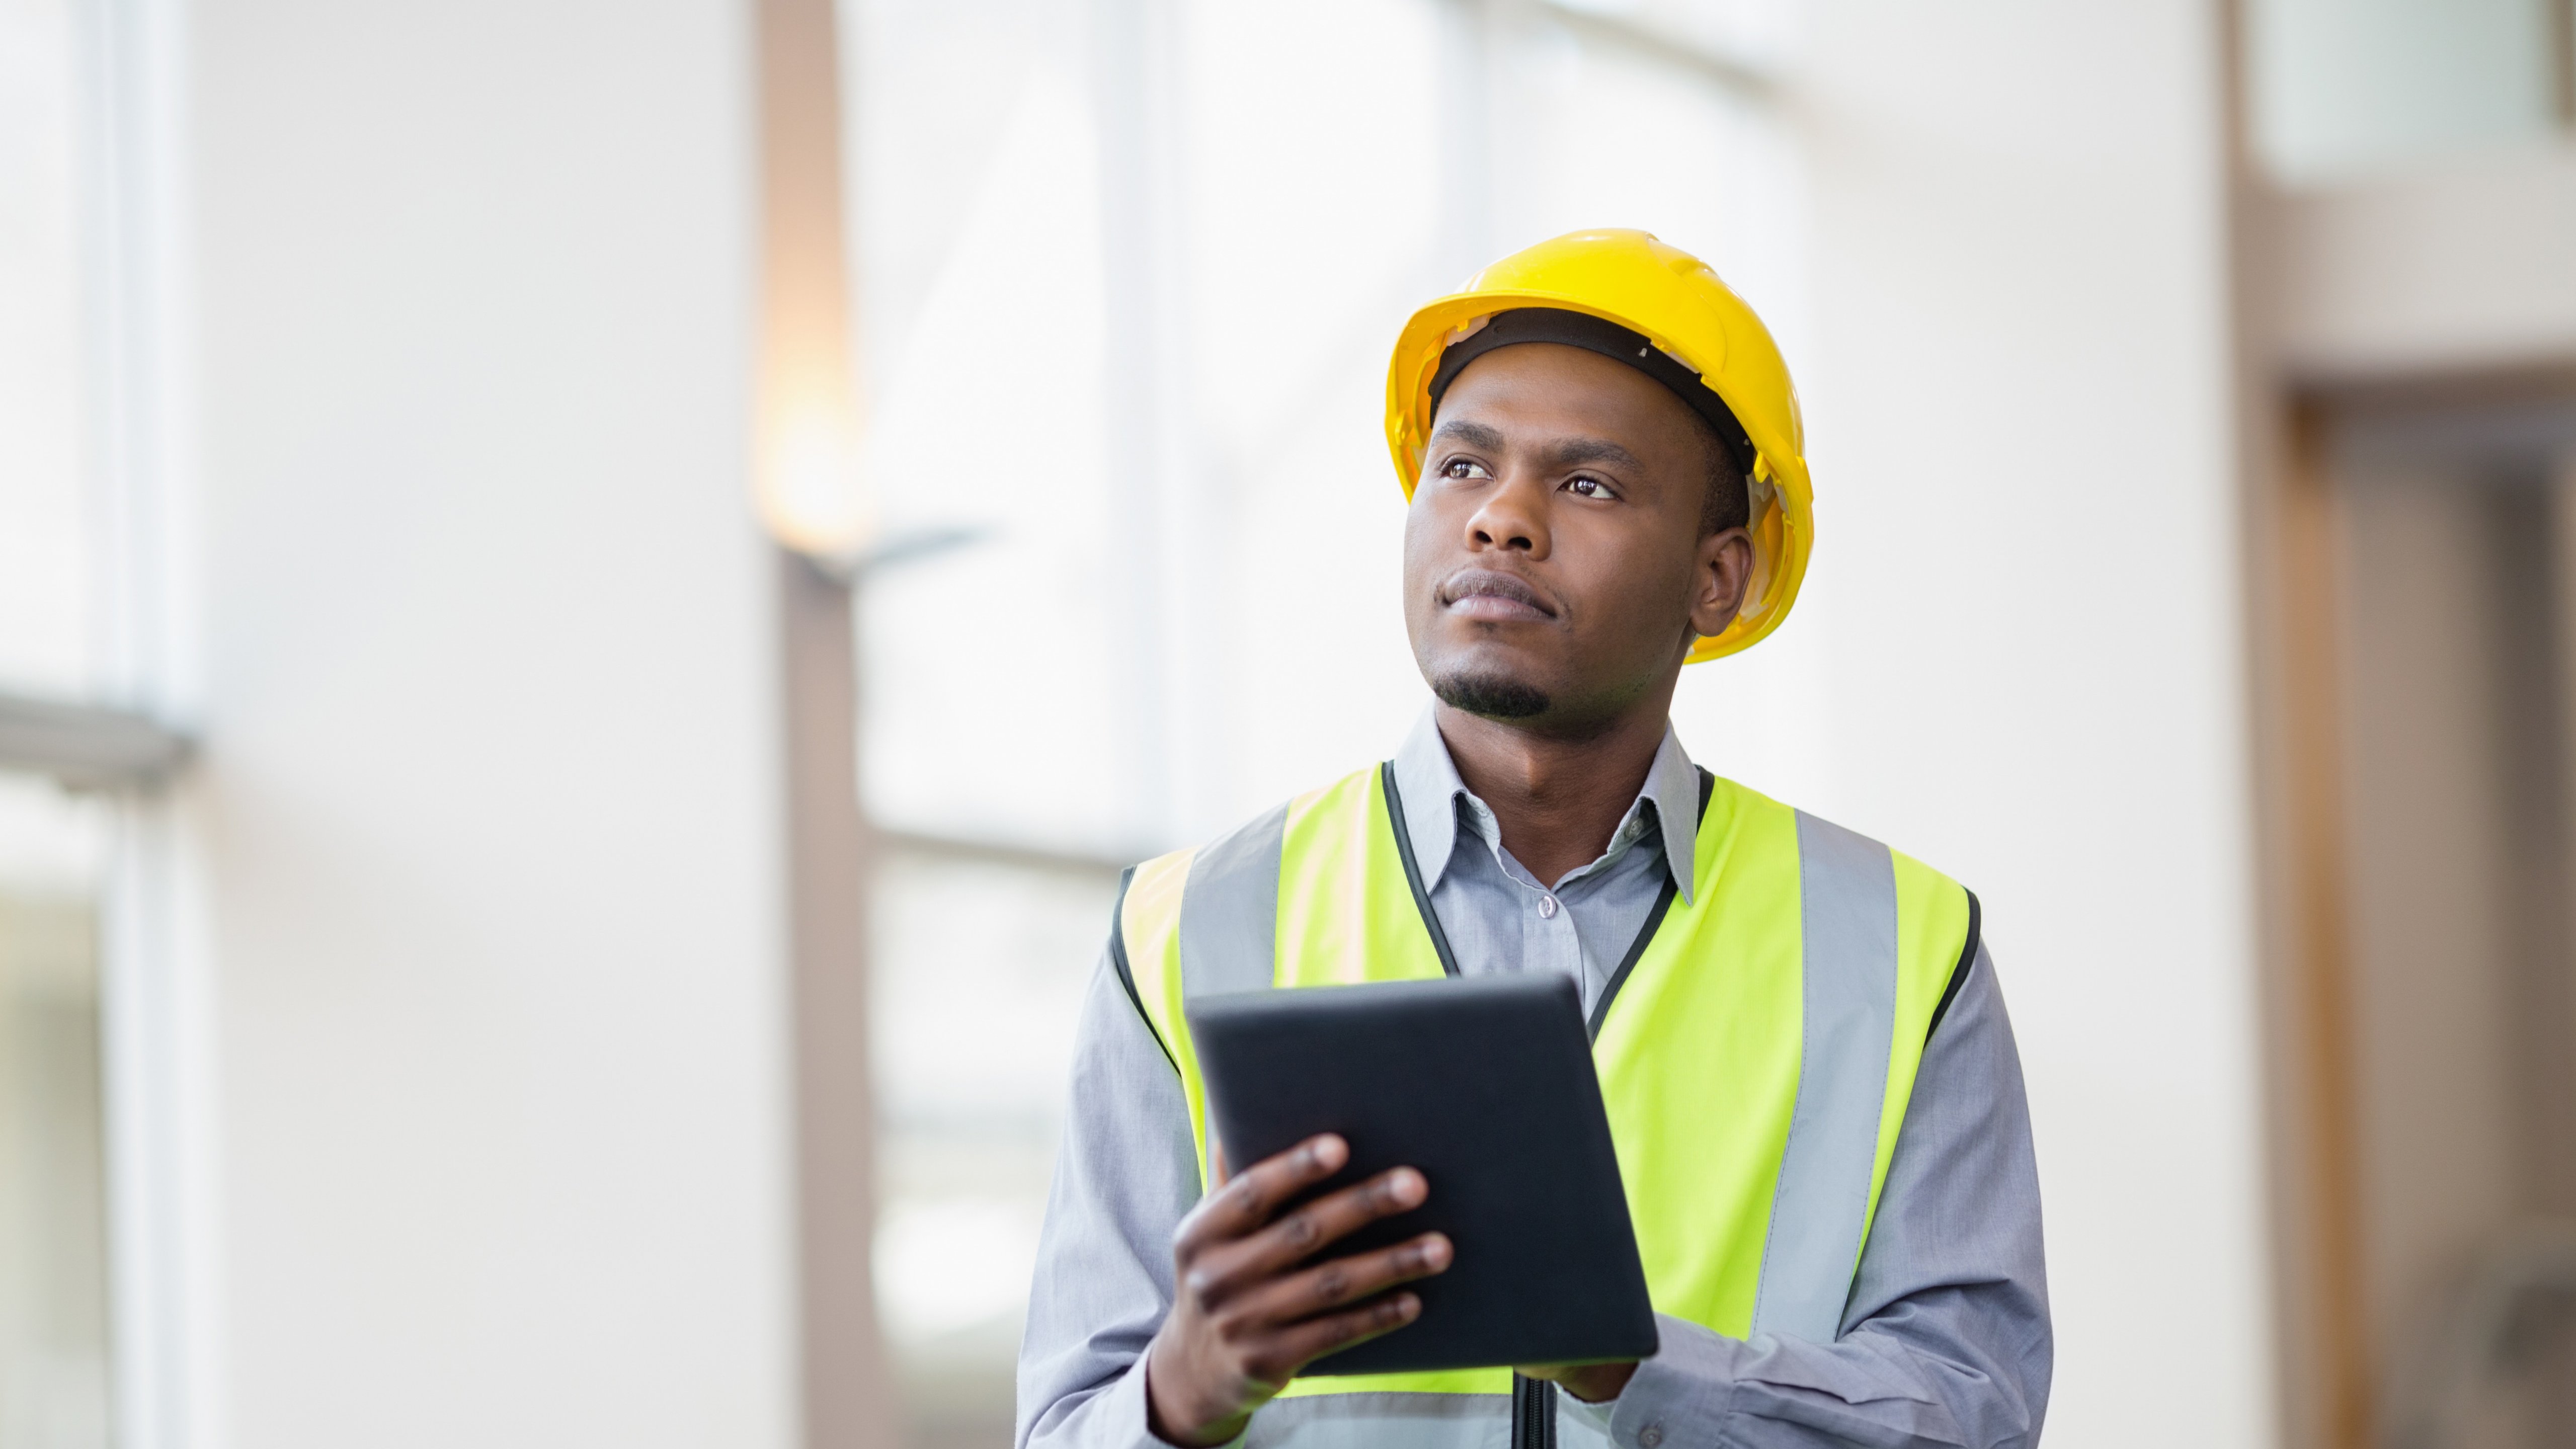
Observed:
{"x":1756,"y":1047}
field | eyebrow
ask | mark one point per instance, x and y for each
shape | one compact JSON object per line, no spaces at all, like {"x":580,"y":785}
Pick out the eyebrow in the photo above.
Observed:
{"x":1474,"y":435}
{"x":1575,"y":451}
{"x":1570,"y":453}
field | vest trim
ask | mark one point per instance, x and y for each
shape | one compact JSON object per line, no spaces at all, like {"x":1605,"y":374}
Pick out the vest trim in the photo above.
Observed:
{"x":1847,"y":998}
{"x":1654,"y":921}
{"x":1382,"y":1419}
{"x":1230,"y":910}
{"x":1126,"y":976}
{"x":1413,"y":869}
{"x":1959,"y":973}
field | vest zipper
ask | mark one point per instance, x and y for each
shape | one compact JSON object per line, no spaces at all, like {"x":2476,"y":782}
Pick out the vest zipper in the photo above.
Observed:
{"x":1533,"y":1413}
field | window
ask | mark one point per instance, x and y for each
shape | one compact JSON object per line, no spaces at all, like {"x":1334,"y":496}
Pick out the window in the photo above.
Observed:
{"x":54,"y":1354}
{"x":85,"y":1261}
{"x":54,"y":1390}
{"x":2339,"y":89}
{"x":47,"y":563}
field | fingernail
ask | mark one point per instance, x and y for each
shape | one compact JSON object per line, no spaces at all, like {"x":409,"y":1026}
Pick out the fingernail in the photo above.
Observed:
{"x":1328,"y":1151}
{"x":1407,"y":1306}
{"x":1435,"y":1252}
{"x":1407,"y":1186}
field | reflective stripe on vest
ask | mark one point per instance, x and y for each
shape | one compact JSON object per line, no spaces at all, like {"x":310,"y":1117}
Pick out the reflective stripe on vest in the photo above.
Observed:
{"x":1756,"y":1049}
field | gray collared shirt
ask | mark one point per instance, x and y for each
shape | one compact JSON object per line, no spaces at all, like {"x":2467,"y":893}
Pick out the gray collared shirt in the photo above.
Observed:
{"x":1945,"y":1338}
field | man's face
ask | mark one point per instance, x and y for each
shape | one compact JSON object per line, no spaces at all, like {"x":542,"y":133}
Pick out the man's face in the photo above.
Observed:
{"x":1554,"y":570}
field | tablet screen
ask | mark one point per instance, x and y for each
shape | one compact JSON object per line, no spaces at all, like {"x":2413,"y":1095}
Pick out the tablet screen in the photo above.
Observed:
{"x":1486,"y":1086}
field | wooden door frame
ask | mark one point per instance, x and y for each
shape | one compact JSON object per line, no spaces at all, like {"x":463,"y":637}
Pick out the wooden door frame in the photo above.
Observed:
{"x":2294,"y":534}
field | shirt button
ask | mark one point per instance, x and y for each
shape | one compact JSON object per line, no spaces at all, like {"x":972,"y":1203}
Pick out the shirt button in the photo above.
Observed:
{"x":1547,"y":912}
{"x":1650,"y":1436}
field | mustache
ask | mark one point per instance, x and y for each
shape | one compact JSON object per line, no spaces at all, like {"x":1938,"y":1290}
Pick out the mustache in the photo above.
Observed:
{"x":1493,"y":583}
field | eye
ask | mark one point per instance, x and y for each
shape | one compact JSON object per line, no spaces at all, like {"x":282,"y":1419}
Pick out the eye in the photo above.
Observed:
{"x":1585,"y":486}
{"x":1463,"y":468}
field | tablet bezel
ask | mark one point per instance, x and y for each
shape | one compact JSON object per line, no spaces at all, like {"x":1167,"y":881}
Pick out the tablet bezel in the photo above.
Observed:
{"x":1487,"y":1085}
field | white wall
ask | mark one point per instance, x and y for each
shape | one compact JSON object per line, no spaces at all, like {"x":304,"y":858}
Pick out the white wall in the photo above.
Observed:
{"x":486,"y":810}
{"x":2022,"y":626}
{"x":2458,"y":268}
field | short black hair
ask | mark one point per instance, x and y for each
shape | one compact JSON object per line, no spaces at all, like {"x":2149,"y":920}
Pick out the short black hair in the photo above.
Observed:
{"x":1729,"y":500}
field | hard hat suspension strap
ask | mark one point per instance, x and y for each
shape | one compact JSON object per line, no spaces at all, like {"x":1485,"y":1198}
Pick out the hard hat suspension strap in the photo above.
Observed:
{"x":1609,"y":339}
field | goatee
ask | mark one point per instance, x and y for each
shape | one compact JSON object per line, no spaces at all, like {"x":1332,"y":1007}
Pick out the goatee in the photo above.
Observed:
{"x":1492,"y":696}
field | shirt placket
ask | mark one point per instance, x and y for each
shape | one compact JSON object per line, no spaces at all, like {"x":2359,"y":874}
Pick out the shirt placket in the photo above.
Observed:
{"x":1548,"y":938}
{"x":1547,"y":934}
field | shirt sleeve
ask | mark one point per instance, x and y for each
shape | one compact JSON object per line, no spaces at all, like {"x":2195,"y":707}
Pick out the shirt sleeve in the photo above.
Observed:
{"x":1945,"y":1339}
{"x":1124,"y":1177}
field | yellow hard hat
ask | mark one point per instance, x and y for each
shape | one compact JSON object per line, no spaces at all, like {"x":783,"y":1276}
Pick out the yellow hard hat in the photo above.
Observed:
{"x":1673,"y":300}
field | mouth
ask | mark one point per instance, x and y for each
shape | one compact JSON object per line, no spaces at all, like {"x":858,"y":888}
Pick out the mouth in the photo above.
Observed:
{"x":1497,"y":597}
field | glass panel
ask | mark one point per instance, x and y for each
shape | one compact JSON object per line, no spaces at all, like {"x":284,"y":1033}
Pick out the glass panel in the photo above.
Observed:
{"x":53,"y":1260}
{"x":2341,"y":87}
{"x":45,"y":551}
{"x":978,"y":233}
{"x":979,"y":975}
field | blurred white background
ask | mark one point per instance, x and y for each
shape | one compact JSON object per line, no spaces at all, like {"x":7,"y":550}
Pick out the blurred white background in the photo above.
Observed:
{"x":411,"y":1064}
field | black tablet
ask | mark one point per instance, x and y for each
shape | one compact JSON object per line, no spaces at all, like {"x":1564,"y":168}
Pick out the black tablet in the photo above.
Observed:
{"x":1486,"y":1085}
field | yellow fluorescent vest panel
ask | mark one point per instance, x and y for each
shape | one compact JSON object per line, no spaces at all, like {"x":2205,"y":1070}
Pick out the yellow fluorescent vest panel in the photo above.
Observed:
{"x":1699,"y":1054}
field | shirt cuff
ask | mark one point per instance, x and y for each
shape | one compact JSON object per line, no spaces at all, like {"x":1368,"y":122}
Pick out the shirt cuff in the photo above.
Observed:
{"x":1597,"y":1415}
{"x":1120,"y":1420}
{"x":1680,"y":1395}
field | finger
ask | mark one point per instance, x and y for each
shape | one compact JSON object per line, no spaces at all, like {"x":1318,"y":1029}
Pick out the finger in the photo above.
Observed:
{"x":1244,"y":1204}
{"x":1294,"y":1348}
{"x":1342,"y":1281}
{"x":1297,"y":1235}
{"x":1219,"y":1269}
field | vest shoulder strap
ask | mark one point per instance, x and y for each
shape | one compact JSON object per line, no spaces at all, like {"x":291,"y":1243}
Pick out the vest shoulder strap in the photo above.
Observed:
{"x":1881,"y":935}
{"x":1308,"y":892}
{"x":1847,"y":1021}
{"x":1145,"y":948}
{"x":1200,"y":921}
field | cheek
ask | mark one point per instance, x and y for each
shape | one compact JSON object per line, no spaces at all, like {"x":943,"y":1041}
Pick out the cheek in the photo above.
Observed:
{"x":1640,"y":587}
{"x":1422,"y":535}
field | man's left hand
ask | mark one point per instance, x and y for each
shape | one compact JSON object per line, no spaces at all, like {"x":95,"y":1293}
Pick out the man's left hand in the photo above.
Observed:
{"x":1590,"y":1382}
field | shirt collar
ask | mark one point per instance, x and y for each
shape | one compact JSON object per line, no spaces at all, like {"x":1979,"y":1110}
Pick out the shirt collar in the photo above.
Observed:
{"x":1428,"y":780}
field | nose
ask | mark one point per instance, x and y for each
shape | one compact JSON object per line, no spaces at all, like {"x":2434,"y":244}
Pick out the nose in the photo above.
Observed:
{"x":1512,"y":518}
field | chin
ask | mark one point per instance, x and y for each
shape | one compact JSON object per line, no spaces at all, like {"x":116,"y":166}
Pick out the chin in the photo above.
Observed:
{"x":1490,"y":693}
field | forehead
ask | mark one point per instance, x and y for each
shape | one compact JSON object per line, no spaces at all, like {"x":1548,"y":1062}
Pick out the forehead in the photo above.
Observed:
{"x":1545,"y":388}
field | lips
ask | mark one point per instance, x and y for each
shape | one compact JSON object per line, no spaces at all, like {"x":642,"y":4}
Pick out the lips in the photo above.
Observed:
{"x":1487,"y":594}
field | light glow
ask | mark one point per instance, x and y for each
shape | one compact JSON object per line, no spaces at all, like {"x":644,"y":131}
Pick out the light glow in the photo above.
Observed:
{"x":808,"y":487}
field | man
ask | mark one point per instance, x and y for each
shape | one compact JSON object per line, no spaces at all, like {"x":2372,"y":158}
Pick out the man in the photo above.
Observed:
{"x":1803,"y":1053}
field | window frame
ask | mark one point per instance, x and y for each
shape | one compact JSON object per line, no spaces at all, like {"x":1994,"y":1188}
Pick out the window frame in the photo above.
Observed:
{"x":117,"y":743}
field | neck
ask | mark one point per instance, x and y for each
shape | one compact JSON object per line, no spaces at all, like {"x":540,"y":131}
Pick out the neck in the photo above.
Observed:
{"x":1557,"y":800}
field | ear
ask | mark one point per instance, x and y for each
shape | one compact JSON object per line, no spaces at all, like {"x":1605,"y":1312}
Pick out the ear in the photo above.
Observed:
{"x":1722,"y":568}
